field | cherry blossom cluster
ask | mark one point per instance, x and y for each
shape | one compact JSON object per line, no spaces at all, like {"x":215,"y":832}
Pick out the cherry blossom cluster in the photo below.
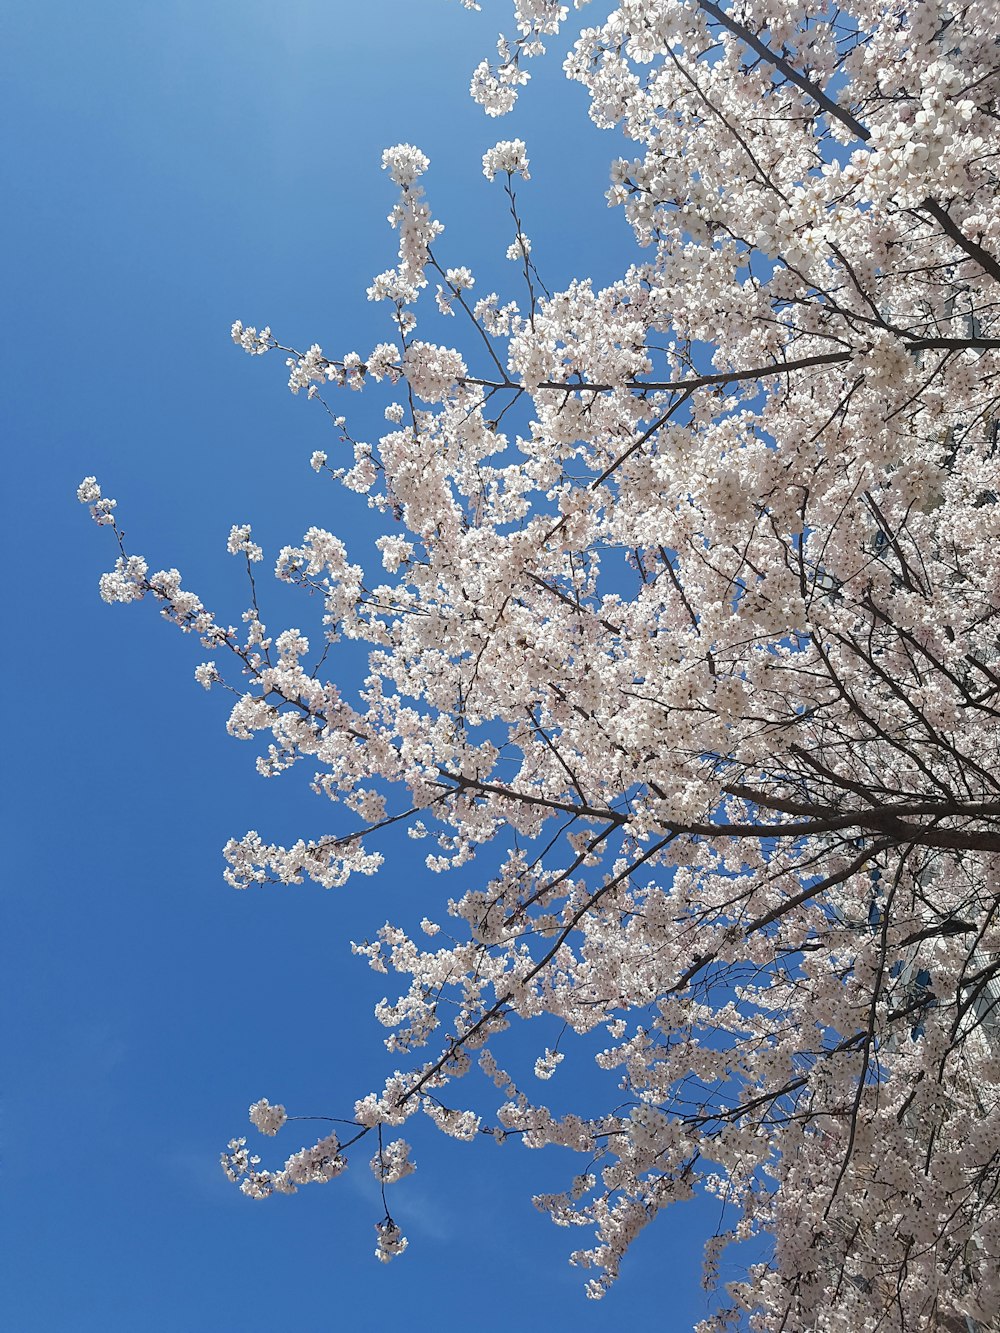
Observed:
{"x":267,"y":1118}
{"x":495,"y":84}
{"x":391,"y":1240}
{"x":89,"y":493}
{"x":392,"y":1163}
{"x":508,"y":156}
{"x":256,"y":344}
{"x":240,"y":544}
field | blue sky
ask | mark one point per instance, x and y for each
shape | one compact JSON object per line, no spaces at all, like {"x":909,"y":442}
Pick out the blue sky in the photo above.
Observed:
{"x":170,"y":168}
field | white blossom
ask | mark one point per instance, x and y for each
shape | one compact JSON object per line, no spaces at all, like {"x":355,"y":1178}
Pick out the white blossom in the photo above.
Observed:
{"x":250,"y":340}
{"x":267,"y":1118}
{"x":391,"y":1241}
{"x":240,"y":544}
{"x":89,"y":493}
{"x":383,"y":361}
{"x":404,"y":163}
{"x":392,"y":1162}
{"x":460,"y":279}
{"x":506,"y":157}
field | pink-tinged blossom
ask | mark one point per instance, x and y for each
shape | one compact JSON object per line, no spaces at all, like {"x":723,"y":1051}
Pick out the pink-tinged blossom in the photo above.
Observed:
{"x":395,"y":551}
{"x":267,"y":1118}
{"x":391,"y":1241}
{"x":206,"y":674}
{"x":316,"y":1165}
{"x":433,"y":372}
{"x":392,"y":1162}
{"x":383,"y":362}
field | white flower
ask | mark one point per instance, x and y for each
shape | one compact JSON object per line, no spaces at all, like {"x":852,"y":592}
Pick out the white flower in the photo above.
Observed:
{"x":353,"y":371}
{"x":361,"y":477}
{"x":205,"y":674}
{"x":291,"y":644}
{"x":384,"y":361}
{"x":433,"y":371}
{"x":404,"y":163}
{"x":266,"y":1117}
{"x":391,"y":1241}
{"x":240,"y":544}
{"x":495,"y":320}
{"x":256,"y":344}
{"x":88,"y":492}
{"x":126,"y":582}
{"x":392,"y":286}
{"x":318,"y":460}
{"x":312,"y":366}
{"x":395,"y":550}
{"x":318,"y":1164}
{"x":493,"y":93}
{"x":392,"y":1163}
{"x":460,"y":279}
{"x":545,"y":1065}
{"x":508,"y":156}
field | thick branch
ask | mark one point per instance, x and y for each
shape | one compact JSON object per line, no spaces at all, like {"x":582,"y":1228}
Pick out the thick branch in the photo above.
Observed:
{"x":801,"y":81}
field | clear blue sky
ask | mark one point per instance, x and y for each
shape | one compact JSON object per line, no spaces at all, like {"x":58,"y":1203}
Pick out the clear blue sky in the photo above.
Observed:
{"x":169,"y":168}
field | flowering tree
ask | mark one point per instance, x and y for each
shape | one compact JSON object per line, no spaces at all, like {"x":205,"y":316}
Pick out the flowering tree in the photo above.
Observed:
{"x":689,"y":633}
